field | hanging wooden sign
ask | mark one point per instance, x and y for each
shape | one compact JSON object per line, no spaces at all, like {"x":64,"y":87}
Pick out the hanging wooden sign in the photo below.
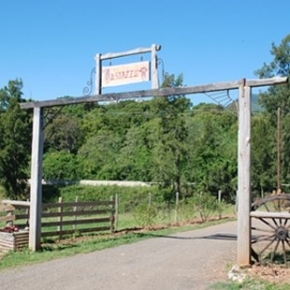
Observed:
{"x":117,"y":75}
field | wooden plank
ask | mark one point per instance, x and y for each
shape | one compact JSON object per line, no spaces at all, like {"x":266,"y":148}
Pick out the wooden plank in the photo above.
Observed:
{"x":266,"y":82}
{"x":13,"y":241}
{"x":20,"y":234}
{"x":244,"y":179}
{"x":21,"y":216}
{"x":154,"y":68}
{"x":129,"y":52}
{"x":116,"y":212}
{"x":6,"y":237}
{"x":22,"y":240}
{"x":22,"y":225}
{"x":98,"y":79}
{"x":16,"y":203}
{"x":6,"y":247}
{"x":36,"y":180}
{"x":75,"y":209}
{"x":78,"y":213}
{"x":6,"y":207}
{"x":213,"y":87}
{"x":60,"y":218}
{"x":266,"y":214}
{"x":78,"y":204}
{"x":67,"y":232}
{"x":125,"y":74}
{"x":132,"y":95}
{"x":7,"y":218}
{"x":77,"y":222}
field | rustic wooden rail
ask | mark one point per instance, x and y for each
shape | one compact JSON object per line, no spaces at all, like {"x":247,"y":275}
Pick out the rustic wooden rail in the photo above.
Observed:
{"x":266,"y":214}
{"x":15,"y":210}
{"x":13,"y":241}
{"x":63,"y":218}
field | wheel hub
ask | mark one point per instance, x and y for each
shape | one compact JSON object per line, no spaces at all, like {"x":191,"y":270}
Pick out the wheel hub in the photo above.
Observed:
{"x":281,"y":233}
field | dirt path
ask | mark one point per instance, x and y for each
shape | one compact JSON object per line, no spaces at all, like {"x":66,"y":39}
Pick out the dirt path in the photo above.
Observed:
{"x":188,"y":260}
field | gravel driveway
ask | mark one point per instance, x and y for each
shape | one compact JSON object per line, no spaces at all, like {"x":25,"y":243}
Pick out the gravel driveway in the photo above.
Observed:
{"x":187,"y":260}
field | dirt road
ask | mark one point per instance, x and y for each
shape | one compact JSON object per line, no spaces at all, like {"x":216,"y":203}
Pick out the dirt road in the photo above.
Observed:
{"x":188,"y":260}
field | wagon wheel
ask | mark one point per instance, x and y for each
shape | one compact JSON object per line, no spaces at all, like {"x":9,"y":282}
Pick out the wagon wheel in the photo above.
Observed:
{"x":270,"y":229}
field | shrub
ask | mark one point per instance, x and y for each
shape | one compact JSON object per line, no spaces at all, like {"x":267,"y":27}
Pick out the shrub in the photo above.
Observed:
{"x":205,"y":204}
{"x":145,"y":214}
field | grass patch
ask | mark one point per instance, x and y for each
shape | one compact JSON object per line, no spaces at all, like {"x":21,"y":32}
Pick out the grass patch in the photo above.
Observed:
{"x":92,"y":243}
{"x":249,"y":285}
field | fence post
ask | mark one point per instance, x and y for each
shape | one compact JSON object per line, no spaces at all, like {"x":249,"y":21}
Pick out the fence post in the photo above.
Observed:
{"x":149,"y":198}
{"x":176,"y":206}
{"x":75,"y":216}
{"x":27,"y":211}
{"x":219,"y":196}
{"x":112,"y":218}
{"x":9,"y":212}
{"x":237,"y":203}
{"x":116,"y":213}
{"x":168,"y":212}
{"x":60,"y":209}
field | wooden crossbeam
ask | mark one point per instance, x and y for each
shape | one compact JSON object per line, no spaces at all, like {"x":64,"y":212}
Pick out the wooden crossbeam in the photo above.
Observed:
{"x":213,"y":87}
{"x":266,"y":214}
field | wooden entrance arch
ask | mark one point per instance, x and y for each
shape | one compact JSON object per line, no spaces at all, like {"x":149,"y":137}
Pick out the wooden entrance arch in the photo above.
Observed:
{"x":244,"y":143}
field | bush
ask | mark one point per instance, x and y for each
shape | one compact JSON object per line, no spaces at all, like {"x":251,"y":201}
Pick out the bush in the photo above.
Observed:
{"x":205,"y":204}
{"x":129,"y":197}
{"x":145,"y":214}
{"x":186,"y":208}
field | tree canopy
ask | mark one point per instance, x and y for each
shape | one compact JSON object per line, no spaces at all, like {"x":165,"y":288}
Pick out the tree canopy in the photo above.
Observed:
{"x":163,"y":140}
{"x":15,"y":141}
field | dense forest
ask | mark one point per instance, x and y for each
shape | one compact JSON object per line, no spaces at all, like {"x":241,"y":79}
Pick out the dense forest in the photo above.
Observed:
{"x":162,"y":140}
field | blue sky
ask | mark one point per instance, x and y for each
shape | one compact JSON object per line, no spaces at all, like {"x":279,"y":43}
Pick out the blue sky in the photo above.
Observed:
{"x":51,"y":45}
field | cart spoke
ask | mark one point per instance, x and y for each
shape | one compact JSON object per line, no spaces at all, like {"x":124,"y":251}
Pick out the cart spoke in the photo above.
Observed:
{"x":268,"y":245}
{"x":262,"y":238}
{"x":284,"y":252}
{"x":267,"y":223}
{"x":262,"y":230}
{"x":265,"y":205}
{"x":274,"y":221}
{"x":273,"y":253}
{"x":280,"y":222}
{"x":287,"y":241}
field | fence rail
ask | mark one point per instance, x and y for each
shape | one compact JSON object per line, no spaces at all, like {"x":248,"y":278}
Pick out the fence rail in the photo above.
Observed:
{"x":64,"y":218}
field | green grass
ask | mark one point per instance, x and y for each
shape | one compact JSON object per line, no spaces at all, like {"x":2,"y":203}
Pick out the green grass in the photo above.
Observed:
{"x":250,"y":284}
{"x":55,"y":250}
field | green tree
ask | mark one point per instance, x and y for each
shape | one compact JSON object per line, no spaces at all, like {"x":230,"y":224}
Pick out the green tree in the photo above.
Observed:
{"x":15,"y":141}
{"x":98,"y":156}
{"x":279,"y":97}
{"x":61,"y":165}
{"x":63,"y":134}
{"x":263,"y":157}
{"x":135,"y":156}
{"x":212,"y":163}
{"x":170,"y":150}
{"x":63,"y":127}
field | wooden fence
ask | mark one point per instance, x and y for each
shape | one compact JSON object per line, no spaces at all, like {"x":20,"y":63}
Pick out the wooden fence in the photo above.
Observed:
{"x":64,"y":218}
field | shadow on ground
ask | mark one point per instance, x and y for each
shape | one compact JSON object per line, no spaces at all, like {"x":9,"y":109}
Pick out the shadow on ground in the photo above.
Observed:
{"x":218,"y":236}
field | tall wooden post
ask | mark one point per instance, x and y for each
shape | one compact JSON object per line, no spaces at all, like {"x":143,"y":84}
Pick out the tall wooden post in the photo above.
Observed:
{"x":36,"y":180}
{"x":244,"y":178}
{"x":98,"y":82}
{"x":154,"y":67}
{"x":279,"y":150}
